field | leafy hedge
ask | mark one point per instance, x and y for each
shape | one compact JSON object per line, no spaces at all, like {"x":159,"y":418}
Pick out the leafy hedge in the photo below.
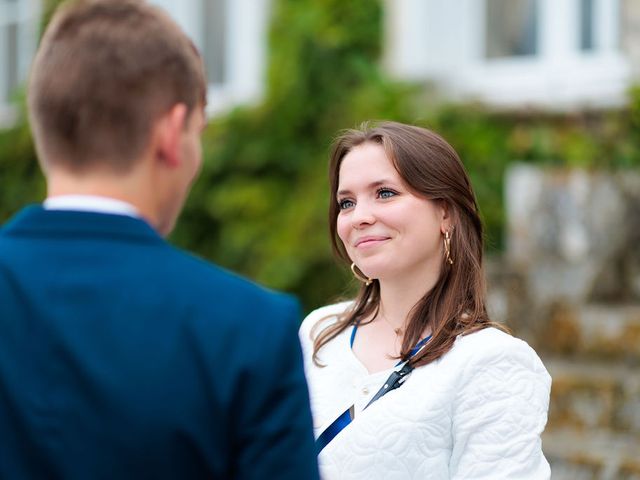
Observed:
{"x":260,"y":204}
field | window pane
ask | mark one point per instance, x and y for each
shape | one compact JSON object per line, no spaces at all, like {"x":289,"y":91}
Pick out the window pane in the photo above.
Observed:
{"x":215,"y":38}
{"x":512,"y":28}
{"x":586,"y":25}
{"x":9,"y":56}
{"x":13,"y":77}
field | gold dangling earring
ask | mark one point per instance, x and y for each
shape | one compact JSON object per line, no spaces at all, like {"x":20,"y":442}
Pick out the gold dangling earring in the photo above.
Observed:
{"x":447,"y":248}
{"x":366,"y":280}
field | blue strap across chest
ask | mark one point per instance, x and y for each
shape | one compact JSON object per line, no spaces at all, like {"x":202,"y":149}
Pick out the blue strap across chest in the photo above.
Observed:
{"x":394,"y":381}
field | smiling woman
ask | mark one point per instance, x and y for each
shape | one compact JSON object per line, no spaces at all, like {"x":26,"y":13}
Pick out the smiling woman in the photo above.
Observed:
{"x":388,"y":231}
{"x":404,"y":215}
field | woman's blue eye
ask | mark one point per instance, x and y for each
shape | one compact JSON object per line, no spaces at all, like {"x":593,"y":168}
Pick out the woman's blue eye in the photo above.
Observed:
{"x":386,"y":193}
{"x":344,"y":204}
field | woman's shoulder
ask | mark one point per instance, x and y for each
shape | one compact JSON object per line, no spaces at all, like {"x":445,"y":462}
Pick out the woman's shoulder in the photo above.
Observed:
{"x":499,"y":398}
{"x":492,"y":346}
{"x":328,"y":315}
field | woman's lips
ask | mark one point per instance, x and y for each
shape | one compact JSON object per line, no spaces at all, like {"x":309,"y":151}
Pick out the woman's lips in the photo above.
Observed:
{"x":369,"y":241}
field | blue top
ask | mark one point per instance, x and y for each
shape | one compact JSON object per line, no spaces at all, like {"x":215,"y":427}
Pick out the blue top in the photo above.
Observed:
{"x":123,"y":357}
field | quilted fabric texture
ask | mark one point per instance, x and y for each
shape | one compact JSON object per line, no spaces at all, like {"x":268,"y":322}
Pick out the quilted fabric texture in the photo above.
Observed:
{"x":476,"y":413}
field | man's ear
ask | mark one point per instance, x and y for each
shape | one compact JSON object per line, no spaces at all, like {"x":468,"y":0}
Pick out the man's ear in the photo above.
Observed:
{"x":169,"y":134}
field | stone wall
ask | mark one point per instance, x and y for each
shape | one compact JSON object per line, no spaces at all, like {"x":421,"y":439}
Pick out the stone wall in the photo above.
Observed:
{"x":569,"y":284}
{"x":574,"y":234}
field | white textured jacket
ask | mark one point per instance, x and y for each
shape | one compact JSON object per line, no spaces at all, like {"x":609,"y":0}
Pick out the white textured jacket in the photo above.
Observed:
{"x":476,"y":413}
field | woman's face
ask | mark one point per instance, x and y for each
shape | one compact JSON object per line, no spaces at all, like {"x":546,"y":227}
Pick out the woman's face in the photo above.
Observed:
{"x":386,"y":229}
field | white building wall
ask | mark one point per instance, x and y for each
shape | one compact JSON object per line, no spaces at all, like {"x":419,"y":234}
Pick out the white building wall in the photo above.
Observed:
{"x":24,"y":16}
{"x":630,"y":36}
{"x":444,"y":42}
{"x":245,"y":52}
{"x":430,"y":41}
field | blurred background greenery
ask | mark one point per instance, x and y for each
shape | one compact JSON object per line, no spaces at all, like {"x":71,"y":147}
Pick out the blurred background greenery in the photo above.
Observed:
{"x":260,"y":204}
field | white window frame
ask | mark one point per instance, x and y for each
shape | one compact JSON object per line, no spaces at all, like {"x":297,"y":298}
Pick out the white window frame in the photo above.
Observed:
{"x":245,"y":48}
{"x":448,"y":48}
{"x":26,"y":15}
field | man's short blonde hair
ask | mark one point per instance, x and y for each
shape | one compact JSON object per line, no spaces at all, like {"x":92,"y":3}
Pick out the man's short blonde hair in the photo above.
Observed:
{"x":105,"y":71}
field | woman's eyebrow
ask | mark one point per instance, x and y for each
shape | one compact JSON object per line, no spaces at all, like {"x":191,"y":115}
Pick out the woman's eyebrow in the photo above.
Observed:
{"x":375,"y":184}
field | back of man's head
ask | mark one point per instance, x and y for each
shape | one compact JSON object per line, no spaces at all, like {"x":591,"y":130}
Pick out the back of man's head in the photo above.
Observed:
{"x":105,"y":71}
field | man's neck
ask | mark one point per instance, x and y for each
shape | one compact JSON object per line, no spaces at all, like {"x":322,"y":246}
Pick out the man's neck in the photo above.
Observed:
{"x":91,"y":203}
{"x":111,"y":194}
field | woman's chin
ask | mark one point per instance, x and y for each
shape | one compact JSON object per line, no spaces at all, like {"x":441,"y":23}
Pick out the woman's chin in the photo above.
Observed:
{"x":373,"y":273}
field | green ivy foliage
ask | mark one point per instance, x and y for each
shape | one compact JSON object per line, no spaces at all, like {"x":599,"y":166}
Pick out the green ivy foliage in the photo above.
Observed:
{"x":21,"y":182}
{"x":260,"y":204}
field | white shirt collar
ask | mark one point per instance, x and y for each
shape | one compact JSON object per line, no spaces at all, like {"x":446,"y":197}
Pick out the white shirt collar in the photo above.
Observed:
{"x":91,"y":203}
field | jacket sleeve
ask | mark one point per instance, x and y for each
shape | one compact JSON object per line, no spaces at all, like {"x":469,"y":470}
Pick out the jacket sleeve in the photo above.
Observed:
{"x":499,"y":413}
{"x":274,"y":437}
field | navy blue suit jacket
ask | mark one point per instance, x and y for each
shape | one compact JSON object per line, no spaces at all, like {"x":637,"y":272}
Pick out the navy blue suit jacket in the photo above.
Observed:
{"x":123,"y":357}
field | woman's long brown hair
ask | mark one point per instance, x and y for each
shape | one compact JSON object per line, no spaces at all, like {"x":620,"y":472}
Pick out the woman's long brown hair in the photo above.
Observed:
{"x":431,"y":168}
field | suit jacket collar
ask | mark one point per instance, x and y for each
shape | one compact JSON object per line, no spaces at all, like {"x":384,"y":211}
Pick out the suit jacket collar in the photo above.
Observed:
{"x":36,"y":221}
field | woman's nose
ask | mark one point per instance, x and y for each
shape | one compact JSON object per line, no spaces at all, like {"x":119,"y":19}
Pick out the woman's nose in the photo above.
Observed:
{"x":362,"y":215}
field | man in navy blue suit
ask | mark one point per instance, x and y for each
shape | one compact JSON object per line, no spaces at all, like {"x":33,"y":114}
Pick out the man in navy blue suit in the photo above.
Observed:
{"x":120,"y":356}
